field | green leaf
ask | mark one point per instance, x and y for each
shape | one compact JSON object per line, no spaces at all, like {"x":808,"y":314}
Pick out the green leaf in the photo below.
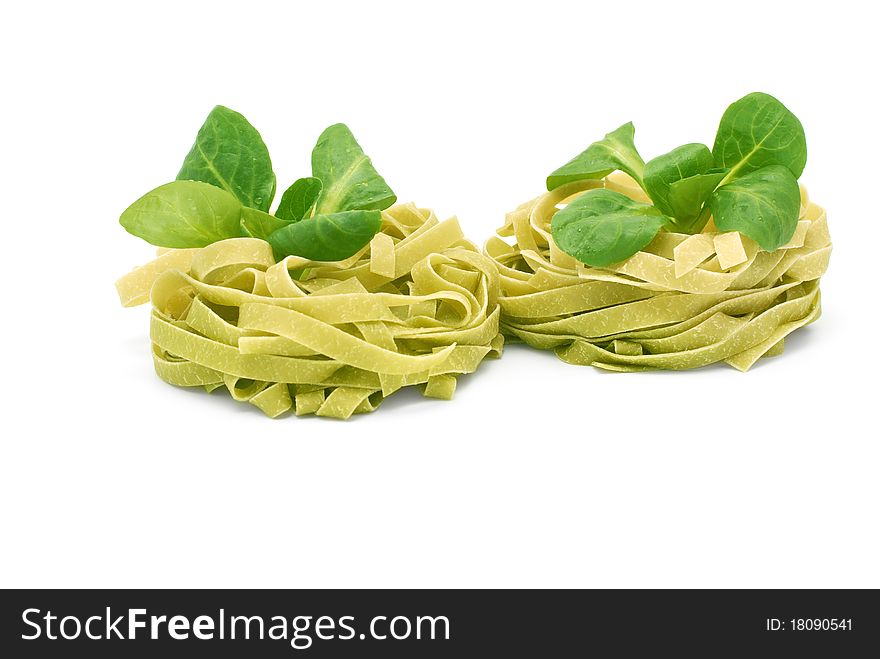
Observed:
{"x":616,"y":151}
{"x":230,"y":154}
{"x":602,"y":227}
{"x":183,"y":214}
{"x":764,"y":205}
{"x":757,"y":131}
{"x":299,"y":199}
{"x":681,"y":163}
{"x":330,"y":237}
{"x":257,"y":224}
{"x":350,"y":180}
{"x":687,"y":196}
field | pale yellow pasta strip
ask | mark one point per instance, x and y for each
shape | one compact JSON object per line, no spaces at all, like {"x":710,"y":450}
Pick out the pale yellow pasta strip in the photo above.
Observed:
{"x":134,"y":288}
{"x":331,"y":341}
{"x":729,"y":248}
{"x":235,"y":253}
{"x":691,"y":252}
{"x":227,"y":359}
{"x":382,"y":256}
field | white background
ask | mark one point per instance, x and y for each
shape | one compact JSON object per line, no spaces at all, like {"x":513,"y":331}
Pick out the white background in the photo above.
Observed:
{"x":538,"y":473}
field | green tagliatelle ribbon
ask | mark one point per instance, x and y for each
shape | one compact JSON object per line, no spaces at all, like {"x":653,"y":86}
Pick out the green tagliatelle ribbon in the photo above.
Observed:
{"x":416,"y":306}
{"x":684,"y":301}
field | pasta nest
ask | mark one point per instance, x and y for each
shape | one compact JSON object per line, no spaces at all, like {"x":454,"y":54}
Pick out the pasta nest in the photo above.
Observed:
{"x":417,"y":306}
{"x":683,"y":302}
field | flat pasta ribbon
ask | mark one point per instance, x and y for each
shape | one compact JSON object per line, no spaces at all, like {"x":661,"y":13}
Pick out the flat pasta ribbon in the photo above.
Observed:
{"x":418,"y":305}
{"x":684,"y":301}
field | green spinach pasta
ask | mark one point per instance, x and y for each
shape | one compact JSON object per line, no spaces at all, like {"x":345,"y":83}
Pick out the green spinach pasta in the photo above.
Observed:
{"x":683,"y":301}
{"x":336,"y":297}
{"x":416,"y":306}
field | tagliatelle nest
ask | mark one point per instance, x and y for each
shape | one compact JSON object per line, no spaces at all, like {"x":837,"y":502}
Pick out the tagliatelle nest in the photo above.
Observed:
{"x":684,"y":301}
{"x":416,"y":306}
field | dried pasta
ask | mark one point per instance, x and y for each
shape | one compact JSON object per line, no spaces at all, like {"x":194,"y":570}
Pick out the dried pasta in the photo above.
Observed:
{"x":683,"y":302}
{"x":417,"y":306}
